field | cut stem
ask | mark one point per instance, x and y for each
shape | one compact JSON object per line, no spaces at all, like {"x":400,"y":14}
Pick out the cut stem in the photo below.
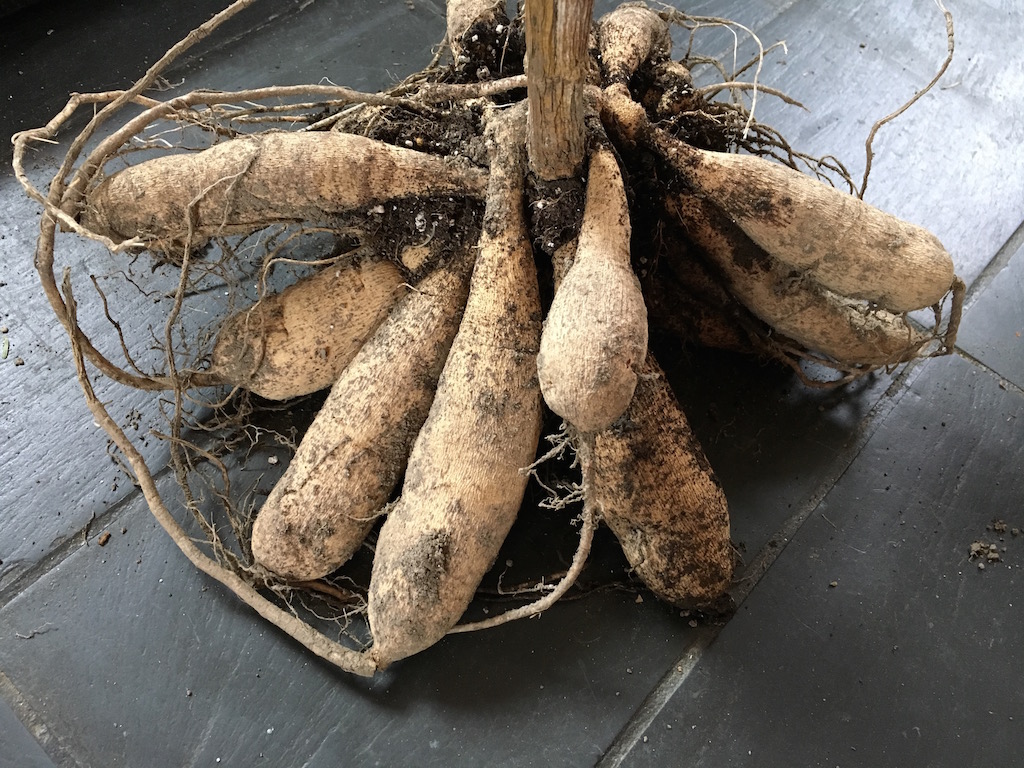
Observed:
{"x":556,"y":50}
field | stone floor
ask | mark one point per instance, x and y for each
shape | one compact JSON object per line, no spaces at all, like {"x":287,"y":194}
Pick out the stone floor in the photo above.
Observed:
{"x":865,"y":636}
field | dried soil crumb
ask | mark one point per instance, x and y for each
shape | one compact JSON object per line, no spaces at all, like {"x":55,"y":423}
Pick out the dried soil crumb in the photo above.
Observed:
{"x":985,"y":551}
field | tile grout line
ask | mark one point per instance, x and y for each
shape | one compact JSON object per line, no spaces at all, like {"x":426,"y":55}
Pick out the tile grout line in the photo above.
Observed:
{"x":673,"y":680}
{"x":46,"y":737}
{"x":656,"y":700}
{"x":56,"y":556}
{"x":1014,"y":243}
{"x":1004,"y":382}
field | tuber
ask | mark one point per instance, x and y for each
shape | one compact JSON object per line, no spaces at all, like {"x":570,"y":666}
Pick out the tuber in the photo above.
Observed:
{"x":792,"y":303}
{"x":353,"y":454}
{"x":595,"y":334}
{"x":843,"y":243}
{"x":249,"y":183}
{"x":629,"y":36}
{"x":656,"y":491}
{"x":300,"y":340}
{"x":464,"y":15}
{"x":464,"y":485}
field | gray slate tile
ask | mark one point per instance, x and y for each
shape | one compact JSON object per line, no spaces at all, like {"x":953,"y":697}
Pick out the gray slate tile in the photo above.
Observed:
{"x":47,"y":492}
{"x":993,"y":327}
{"x":56,"y":48}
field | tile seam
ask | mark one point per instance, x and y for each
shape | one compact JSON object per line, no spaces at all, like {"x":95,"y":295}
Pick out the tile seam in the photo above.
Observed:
{"x":1004,"y":381}
{"x":656,"y":700}
{"x":1013,"y":244}
{"x":55,"y":747}
{"x":56,"y":556}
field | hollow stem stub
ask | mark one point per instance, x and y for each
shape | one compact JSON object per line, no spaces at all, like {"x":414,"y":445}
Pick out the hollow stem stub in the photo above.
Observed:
{"x":556,"y":50}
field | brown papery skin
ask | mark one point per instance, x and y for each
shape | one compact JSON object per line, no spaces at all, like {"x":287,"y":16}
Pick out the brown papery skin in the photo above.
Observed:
{"x":793,"y":304}
{"x":353,"y":454}
{"x":595,"y":334}
{"x":299,"y":341}
{"x":654,"y":488}
{"x":464,"y":485}
{"x":834,"y":238}
{"x":251,"y":183}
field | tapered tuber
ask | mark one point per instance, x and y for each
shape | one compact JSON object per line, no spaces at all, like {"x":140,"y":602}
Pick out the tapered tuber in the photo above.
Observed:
{"x":789,"y":301}
{"x":354,"y":453}
{"x":656,"y":491}
{"x":300,"y":340}
{"x":464,"y":484}
{"x":595,"y":334}
{"x":253,"y":182}
{"x":845,"y":244}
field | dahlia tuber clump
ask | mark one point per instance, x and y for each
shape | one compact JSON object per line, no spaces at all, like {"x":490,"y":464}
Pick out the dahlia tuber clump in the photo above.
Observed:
{"x":485,"y":249}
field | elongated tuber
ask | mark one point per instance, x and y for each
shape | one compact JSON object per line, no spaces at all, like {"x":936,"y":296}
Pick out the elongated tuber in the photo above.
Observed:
{"x":249,"y":183}
{"x":656,"y":491}
{"x":845,"y":244}
{"x":463,"y":485}
{"x":354,"y":453}
{"x":300,"y":340}
{"x":788,"y":300}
